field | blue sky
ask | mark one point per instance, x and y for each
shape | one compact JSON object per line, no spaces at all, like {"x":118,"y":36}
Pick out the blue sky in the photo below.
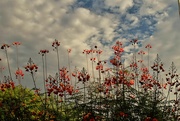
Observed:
{"x":82,"y":24}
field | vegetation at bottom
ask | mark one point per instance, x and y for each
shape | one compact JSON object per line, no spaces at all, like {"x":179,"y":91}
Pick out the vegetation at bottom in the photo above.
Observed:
{"x":104,"y":90}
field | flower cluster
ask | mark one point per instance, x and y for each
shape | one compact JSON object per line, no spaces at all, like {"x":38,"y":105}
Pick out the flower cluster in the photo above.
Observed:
{"x":118,"y":50}
{"x":83,"y":76}
{"x":16,"y":43}
{"x":30,"y":67}
{"x":7,"y":85}
{"x":4,"y":46}
{"x":20,"y":73}
{"x":55,"y":44}
{"x":60,"y":88}
{"x":89,"y":117}
{"x":43,"y":52}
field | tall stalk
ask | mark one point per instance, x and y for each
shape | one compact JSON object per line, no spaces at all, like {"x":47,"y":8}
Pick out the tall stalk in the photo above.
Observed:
{"x":18,"y":74}
{"x":5,"y":46}
{"x":69,"y":65}
{"x":56,"y":45}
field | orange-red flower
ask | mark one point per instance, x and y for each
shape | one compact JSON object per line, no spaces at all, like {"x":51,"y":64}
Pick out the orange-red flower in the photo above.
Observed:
{"x":122,"y":114}
{"x":131,"y":82}
{"x":4,"y":46}
{"x":19,"y":72}
{"x":148,"y":46}
{"x":69,"y":50}
{"x":16,"y":43}
{"x":141,"y":52}
{"x":86,"y":51}
{"x":134,"y":41}
{"x":31,"y":66}
{"x":56,"y":43}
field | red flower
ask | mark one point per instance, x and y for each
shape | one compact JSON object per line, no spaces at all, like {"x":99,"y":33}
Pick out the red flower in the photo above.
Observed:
{"x":43,"y":52}
{"x":4,"y":46}
{"x":16,"y":43}
{"x":99,"y":66}
{"x":87,"y":51}
{"x":141,"y":52}
{"x":19,"y":72}
{"x":148,"y":46}
{"x":55,"y":44}
{"x":69,"y":50}
{"x":131,"y":82}
{"x":31,"y":66}
{"x":134,"y":41}
{"x":93,"y":59}
{"x":83,"y":76}
{"x":122,"y":114}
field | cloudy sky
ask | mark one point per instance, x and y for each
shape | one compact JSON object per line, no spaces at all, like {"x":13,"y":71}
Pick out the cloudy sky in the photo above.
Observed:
{"x":82,"y":24}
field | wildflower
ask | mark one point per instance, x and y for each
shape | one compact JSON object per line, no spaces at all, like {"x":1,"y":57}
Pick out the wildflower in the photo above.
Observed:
{"x":98,"y":51}
{"x":141,"y":52}
{"x":83,"y":76}
{"x":73,"y":74}
{"x":93,"y":59}
{"x":99,"y":66}
{"x":134,"y":65}
{"x":64,"y":74}
{"x":134,"y":41}
{"x":115,"y":62}
{"x":131,"y":82}
{"x":86,"y":51}
{"x":4,"y":46}
{"x":148,"y":46}
{"x":31,"y":66}
{"x":16,"y":43}
{"x":43,"y":52}
{"x":69,"y":50}
{"x":56,"y":43}
{"x":122,"y":114}
{"x":19,"y":72}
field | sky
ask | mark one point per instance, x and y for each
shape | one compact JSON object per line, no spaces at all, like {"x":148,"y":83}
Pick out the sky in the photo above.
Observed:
{"x":83,"y":24}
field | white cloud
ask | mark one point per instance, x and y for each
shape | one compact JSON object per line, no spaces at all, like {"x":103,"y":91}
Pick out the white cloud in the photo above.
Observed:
{"x":151,"y":7}
{"x":165,"y":41}
{"x":122,"y":4}
{"x":37,"y":23}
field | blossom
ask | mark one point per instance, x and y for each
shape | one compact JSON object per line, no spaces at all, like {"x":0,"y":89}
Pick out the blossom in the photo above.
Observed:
{"x":4,"y":46}
{"x":43,"y":52}
{"x":31,"y":66}
{"x":93,"y":59}
{"x":122,"y":114}
{"x":16,"y":43}
{"x":56,"y":43}
{"x":131,"y":82}
{"x":99,"y":66}
{"x":86,"y":51}
{"x":64,"y":74}
{"x":69,"y":50}
{"x":98,"y":51}
{"x":141,"y":52}
{"x":134,"y":41}
{"x":19,"y":72}
{"x":148,"y":46}
{"x":83,"y":76}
